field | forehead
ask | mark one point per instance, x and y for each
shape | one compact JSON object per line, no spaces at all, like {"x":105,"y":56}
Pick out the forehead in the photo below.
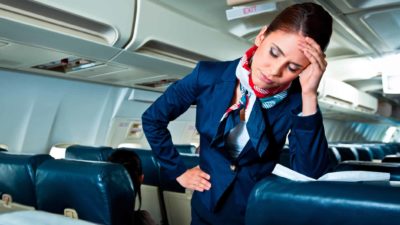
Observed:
{"x":288,"y":43}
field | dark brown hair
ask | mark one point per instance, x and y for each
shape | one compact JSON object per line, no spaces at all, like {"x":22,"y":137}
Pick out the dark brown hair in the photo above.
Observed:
{"x":132,"y":163}
{"x":308,"y":18}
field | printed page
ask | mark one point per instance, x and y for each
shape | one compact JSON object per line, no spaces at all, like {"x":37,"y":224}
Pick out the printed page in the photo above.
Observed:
{"x":354,"y":176}
{"x":287,"y":173}
{"x":350,"y":176}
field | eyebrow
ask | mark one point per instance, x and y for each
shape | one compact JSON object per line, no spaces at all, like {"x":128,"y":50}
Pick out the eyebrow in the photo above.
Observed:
{"x":281,"y":52}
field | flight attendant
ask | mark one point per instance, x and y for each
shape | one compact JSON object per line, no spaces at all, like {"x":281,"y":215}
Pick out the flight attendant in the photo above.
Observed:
{"x":245,"y":109}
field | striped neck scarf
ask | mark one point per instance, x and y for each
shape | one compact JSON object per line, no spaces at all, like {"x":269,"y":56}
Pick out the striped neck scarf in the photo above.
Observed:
{"x":249,"y":92}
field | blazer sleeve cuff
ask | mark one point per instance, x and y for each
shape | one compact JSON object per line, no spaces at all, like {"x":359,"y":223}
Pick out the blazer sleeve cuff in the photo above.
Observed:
{"x":306,"y":123}
{"x":181,"y":168}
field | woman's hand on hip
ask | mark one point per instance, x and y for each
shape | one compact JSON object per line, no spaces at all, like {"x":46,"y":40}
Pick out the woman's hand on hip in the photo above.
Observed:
{"x":195,"y":179}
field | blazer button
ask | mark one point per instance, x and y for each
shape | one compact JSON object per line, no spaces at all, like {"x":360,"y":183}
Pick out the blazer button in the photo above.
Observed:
{"x":232,"y":167}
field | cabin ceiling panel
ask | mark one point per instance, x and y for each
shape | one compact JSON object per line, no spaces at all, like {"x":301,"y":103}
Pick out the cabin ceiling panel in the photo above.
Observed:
{"x":374,"y":21}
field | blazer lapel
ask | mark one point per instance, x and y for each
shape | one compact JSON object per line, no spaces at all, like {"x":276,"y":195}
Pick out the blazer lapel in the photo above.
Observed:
{"x":256,"y":127}
{"x":221,"y":99}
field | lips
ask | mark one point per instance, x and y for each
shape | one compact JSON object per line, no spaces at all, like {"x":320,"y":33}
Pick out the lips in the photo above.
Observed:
{"x":265,"y":79}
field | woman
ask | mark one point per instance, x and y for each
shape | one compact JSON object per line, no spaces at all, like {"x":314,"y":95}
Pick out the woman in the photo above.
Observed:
{"x":245,"y":109}
{"x":132,"y":163}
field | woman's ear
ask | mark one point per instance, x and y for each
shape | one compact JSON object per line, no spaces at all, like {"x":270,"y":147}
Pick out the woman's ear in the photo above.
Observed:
{"x":260,"y":37}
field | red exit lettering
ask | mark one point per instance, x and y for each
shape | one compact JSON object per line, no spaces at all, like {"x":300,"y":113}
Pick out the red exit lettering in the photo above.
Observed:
{"x":249,"y":10}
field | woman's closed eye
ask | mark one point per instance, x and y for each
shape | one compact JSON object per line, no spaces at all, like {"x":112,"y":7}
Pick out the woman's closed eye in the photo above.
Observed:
{"x":274,"y":52}
{"x":293,"y":68}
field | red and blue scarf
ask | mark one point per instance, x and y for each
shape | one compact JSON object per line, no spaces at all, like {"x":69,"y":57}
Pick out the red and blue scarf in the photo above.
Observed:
{"x":268,"y":97}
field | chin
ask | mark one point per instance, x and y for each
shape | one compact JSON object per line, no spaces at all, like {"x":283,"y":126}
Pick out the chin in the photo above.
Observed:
{"x":261,"y":84}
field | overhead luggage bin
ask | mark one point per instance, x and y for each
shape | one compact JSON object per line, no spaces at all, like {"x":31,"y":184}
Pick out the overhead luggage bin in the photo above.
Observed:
{"x":73,"y":39}
{"x":335,"y":95}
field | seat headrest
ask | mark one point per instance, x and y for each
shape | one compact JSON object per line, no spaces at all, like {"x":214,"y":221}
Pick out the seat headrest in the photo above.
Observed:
{"x":88,"y":152}
{"x":150,"y":166}
{"x":276,"y":200}
{"x":17,"y":176}
{"x":100,"y":192}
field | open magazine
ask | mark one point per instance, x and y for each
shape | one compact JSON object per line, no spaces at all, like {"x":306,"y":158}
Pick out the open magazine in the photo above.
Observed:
{"x":351,"y":176}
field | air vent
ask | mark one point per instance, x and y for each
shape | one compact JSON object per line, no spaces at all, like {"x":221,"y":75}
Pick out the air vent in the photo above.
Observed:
{"x":164,"y":83}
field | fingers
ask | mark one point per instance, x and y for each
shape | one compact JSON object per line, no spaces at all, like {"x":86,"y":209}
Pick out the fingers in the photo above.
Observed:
{"x":200,"y":179}
{"x":313,"y":52}
{"x":201,"y":185}
{"x":195,"y":179}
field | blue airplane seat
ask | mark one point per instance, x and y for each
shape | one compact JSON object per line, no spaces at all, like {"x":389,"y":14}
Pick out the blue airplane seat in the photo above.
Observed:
{"x":391,"y":159}
{"x":91,"y":153}
{"x":377,"y":151}
{"x":186,"y":149}
{"x":17,"y":176}
{"x":150,"y":166}
{"x":346,"y":153}
{"x":276,"y":200}
{"x":364,"y":154}
{"x":152,"y":196}
{"x":99,"y":192}
{"x":387,"y":149}
{"x":392,"y":168}
{"x":395,"y":146}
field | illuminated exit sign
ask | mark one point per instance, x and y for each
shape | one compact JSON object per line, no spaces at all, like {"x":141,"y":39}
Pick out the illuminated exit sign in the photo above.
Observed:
{"x":245,"y":11}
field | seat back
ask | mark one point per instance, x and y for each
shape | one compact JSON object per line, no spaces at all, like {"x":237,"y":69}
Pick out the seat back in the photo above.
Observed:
{"x":392,"y":168}
{"x":391,"y":158}
{"x":346,"y":153}
{"x":364,"y":154}
{"x":99,"y":192}
{"x":176,"y":198}
{"x":17,"y":176}
{"x":82,"y":152}
{"x":376,"y":151}
{"x":276,"y":200}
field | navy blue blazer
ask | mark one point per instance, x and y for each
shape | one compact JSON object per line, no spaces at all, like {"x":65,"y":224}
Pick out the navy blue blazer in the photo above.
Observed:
{"x":211,"y":87}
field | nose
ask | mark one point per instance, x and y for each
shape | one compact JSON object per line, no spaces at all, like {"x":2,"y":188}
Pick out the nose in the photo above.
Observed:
{"x":275,"y":69}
